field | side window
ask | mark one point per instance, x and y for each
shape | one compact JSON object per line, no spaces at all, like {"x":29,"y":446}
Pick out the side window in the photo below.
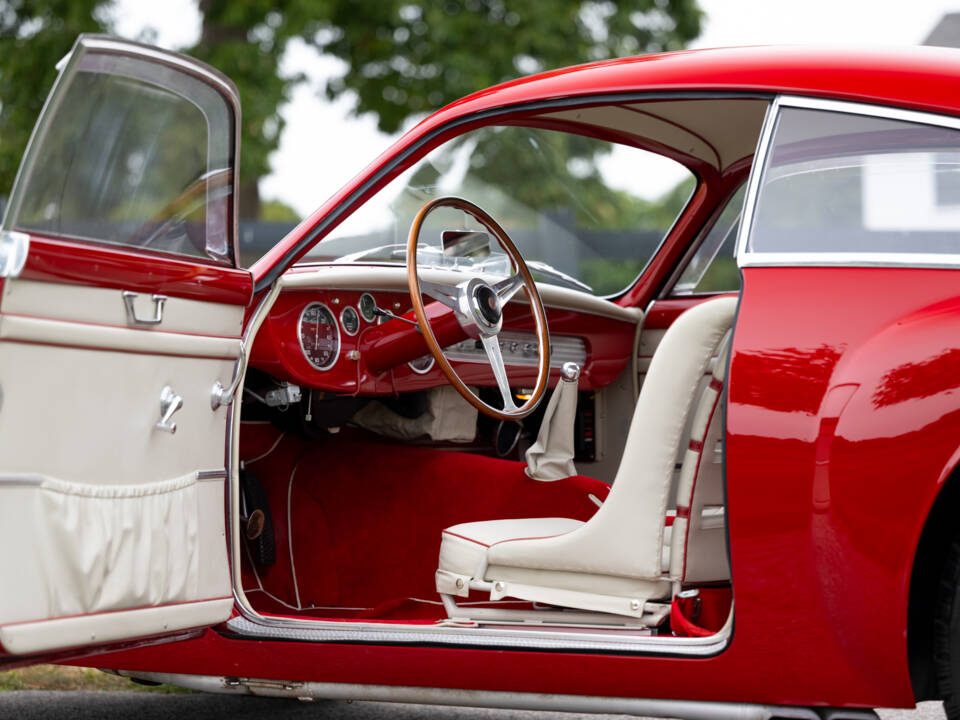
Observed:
{"x":713,"y":267}
{"x":837,"y":182}
{"x":132,"y":153}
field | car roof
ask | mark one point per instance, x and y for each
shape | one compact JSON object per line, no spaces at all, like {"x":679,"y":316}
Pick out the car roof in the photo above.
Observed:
{"x":923,"y":78}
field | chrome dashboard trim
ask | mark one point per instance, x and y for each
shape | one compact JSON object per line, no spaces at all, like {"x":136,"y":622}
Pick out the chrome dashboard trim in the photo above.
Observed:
{"x":748,"y":258}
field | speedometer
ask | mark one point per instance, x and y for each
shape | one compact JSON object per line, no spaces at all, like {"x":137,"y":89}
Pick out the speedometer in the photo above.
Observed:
{"x":319,"y":336}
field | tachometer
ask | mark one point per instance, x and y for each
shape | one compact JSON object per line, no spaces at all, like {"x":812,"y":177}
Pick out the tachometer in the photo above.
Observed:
{"x":319,"y":336}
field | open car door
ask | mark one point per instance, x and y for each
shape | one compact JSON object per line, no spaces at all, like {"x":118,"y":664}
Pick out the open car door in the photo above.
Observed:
{"x":121,"y":310}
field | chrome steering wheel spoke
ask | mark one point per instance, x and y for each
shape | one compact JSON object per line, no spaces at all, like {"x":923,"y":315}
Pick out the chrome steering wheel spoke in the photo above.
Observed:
{"x":446,"y":294}
{"x":491,"y":344}
{"x":508,"y":287}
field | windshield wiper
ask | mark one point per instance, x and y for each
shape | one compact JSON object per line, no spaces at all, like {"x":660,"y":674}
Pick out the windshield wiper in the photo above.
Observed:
{"x":551,"y":272}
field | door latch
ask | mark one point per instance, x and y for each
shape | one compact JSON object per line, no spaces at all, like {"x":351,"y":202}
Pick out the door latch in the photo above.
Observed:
{"x":170,"y":402}
{"x":158,"y":301}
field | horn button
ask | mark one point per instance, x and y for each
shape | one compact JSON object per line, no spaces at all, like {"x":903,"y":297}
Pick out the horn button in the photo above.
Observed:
{"x":487,"y":304}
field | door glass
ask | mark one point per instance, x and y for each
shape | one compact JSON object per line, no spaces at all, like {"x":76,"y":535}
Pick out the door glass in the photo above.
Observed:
{"x":713,"y":267}
{"x":133,"y":153}
{"x":836,"y":182}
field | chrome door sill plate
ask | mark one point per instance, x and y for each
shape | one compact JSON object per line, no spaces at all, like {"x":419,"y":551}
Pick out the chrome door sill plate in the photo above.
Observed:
{"x":580,"y":640}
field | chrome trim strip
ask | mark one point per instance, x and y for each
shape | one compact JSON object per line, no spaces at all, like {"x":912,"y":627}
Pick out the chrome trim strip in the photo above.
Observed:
{"x":753,"y":181}
{"x":746,"y":258}
{"x":232,"y":454}
{"x":496,"y":699}
{"x":312,"y":630}
{"x":211,"y":474}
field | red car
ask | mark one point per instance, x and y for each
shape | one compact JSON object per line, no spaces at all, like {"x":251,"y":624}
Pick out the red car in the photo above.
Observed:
{"x":495,"y":425}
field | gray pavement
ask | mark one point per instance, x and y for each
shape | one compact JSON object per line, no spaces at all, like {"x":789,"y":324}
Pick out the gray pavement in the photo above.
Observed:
{"x":53,"y":705}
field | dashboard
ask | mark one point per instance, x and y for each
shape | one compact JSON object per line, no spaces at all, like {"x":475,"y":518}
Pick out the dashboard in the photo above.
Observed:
{"x":365,"y":341}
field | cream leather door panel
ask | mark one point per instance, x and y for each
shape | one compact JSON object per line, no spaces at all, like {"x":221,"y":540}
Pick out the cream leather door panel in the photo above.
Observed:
{"x":122,"y":313}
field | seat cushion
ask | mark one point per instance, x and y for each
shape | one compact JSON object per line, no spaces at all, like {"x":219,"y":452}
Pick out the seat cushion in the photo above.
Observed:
{"x":463,"y":548}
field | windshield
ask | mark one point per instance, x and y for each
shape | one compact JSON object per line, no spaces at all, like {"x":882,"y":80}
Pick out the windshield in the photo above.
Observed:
{"x":584,"y":213}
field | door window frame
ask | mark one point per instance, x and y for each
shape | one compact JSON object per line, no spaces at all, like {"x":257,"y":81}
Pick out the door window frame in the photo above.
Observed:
{"x":752,"y":258}
{"x":68,"y":67}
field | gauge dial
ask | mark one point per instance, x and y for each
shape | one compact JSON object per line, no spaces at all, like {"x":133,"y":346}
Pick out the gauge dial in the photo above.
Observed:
{"x":350,"y":320}
{"x":367,"y":305}
{"x":422,"y":365}
{"x":319,"y":336}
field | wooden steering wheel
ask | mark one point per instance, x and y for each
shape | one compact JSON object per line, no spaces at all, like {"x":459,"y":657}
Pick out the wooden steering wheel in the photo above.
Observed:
{"x":478,"y":307}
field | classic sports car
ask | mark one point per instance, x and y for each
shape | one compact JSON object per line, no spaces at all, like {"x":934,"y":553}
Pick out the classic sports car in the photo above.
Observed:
{"x":482,"y":430}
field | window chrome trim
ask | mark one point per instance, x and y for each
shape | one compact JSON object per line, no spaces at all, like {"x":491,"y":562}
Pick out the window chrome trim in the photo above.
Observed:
{"x":747,"y":258}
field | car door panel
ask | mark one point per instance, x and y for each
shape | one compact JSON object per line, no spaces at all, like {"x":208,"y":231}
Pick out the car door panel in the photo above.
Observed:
{"x":113,"y":474}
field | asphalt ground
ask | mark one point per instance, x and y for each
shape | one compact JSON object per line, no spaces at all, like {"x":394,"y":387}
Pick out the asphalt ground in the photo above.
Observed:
{"x":82,"y":705}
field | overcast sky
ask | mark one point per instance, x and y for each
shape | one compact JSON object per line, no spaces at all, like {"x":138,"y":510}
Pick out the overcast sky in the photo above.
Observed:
{"x":323,"y":147}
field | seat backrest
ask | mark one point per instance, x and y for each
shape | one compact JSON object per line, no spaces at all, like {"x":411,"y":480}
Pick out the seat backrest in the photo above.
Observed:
{"x":698,"y":550}
{"x":625,"y":536}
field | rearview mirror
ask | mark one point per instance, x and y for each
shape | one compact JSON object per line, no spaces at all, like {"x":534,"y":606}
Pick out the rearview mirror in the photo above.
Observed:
{"x":465,"y":243}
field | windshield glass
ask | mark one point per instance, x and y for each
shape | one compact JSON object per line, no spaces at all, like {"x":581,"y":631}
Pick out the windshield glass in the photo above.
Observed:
{"x":584,"y":213}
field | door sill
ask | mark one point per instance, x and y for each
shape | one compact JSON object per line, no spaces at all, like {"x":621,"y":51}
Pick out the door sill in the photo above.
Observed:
{"x":580,"y":639}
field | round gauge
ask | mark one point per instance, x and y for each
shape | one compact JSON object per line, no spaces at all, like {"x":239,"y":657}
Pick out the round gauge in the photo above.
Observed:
{"x":350,"y":320}
{"x":422,"y":365}
{"x":319,"y":336}
{"x":367,"y":305}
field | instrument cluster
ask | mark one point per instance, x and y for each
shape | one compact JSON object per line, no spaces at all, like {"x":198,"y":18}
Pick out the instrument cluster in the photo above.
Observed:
{"x":320,"y":329}
{"x":324,"y":339}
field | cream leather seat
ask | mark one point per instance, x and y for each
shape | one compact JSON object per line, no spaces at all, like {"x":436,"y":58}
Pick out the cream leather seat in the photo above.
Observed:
{"x":620,"y":560}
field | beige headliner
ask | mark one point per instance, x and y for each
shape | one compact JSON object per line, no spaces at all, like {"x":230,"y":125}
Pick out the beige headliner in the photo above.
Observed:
{"x":719,"y":132}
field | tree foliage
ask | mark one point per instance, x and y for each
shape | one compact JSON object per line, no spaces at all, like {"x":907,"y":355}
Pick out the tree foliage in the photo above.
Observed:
{"x":34,"y":35}
{"x":404,"y":58}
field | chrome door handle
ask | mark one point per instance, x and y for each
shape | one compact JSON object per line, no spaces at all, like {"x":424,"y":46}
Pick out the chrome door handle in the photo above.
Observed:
{"x":170,"y":402}
{"x":158,"y":301}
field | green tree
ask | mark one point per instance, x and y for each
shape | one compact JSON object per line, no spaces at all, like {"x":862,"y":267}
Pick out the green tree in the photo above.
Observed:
{"x":34,"y":35}
{"x":406,"y":57}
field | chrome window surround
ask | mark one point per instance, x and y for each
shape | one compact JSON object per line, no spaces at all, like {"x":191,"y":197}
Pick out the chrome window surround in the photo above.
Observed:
{"x":107,"y":45}
{"x":746,"y":258}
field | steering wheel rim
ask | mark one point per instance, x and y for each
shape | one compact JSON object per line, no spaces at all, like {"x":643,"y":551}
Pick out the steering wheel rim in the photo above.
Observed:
{"x":478,"y":306}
